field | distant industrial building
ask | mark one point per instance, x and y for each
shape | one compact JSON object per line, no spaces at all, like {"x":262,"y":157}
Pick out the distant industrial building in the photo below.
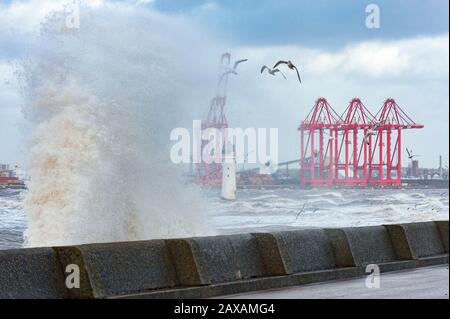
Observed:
{"x":415,"y":171}
{"x":4,"y":169}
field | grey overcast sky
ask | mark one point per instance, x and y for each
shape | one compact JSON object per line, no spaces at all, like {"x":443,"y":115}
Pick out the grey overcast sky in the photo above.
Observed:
{"x":406,"y":58}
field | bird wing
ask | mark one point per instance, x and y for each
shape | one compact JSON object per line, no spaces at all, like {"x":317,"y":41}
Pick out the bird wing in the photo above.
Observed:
{"x":277,"y":70}
{"x":407,"y":151}
{"x":298,"y":74}
{"x":238,"y":62}
{"x":264,"y":67}
{"x":278,"y":63}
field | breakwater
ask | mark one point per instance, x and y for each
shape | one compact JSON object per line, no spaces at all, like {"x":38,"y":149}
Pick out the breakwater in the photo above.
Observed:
{"x":219,"y":265}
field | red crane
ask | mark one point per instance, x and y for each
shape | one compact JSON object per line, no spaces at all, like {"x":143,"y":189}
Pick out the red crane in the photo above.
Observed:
{"x":351,"y":160}
{"x":386,"y":157}
{"x":211,"y":173}
{"x":315,"y":168}
{"x":355,"y":149}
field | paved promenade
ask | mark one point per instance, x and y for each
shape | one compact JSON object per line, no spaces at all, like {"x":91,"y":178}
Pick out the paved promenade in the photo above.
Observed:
{"x":429,"y":282}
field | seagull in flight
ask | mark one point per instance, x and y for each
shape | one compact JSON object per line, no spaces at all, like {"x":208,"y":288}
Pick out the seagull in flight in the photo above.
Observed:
{"x":232,"y":70}
{"x":272,"y":71}
{"x":290,"y":65}
{"x":301,"y":210}
{"x":238,"y":62}
{"x":372,"y":131}
{"x":410,"y":154}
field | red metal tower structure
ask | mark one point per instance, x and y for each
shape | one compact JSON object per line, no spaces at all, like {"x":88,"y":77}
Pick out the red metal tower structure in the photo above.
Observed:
{"x":351,"y":160}
{"x":386,"y":157}
{"x":322,"y":120}
{"x":211,"y":173}
{"x":358,"y":149}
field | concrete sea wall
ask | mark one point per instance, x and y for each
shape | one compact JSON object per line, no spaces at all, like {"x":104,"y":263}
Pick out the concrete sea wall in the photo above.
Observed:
{"x":220,"y":265}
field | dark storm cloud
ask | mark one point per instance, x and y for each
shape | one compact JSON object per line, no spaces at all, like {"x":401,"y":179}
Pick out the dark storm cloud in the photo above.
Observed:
{"x":317,"y":23}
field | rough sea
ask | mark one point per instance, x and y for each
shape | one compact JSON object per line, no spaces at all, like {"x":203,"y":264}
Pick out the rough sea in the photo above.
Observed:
{"x":258,"y":210}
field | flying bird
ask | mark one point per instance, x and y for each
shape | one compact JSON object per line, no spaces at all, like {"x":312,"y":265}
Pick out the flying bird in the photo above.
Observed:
{"x":372,"y":131}
{"x":231,"y":70}
{"x":272,"y":71}
{"x":290,"y":65}
{"x":238,"y":62}
{"x":301,"y":210}
{"x":410,"y":154}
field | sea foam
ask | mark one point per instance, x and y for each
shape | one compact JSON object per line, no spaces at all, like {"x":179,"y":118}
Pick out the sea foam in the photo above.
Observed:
{"x":101,"y":101}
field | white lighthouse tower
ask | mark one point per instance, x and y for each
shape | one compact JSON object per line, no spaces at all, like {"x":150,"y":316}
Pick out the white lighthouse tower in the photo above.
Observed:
{"x":229,"y":173}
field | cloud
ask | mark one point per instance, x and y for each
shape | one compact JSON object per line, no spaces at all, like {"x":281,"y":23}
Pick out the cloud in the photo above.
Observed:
{"x":424,"y":57}
{"x":207,"y":7}
{"x":413,"y":71}
{"x":320,"y":23}
{"x":142,"y":2}
{"x":421,"y":57}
